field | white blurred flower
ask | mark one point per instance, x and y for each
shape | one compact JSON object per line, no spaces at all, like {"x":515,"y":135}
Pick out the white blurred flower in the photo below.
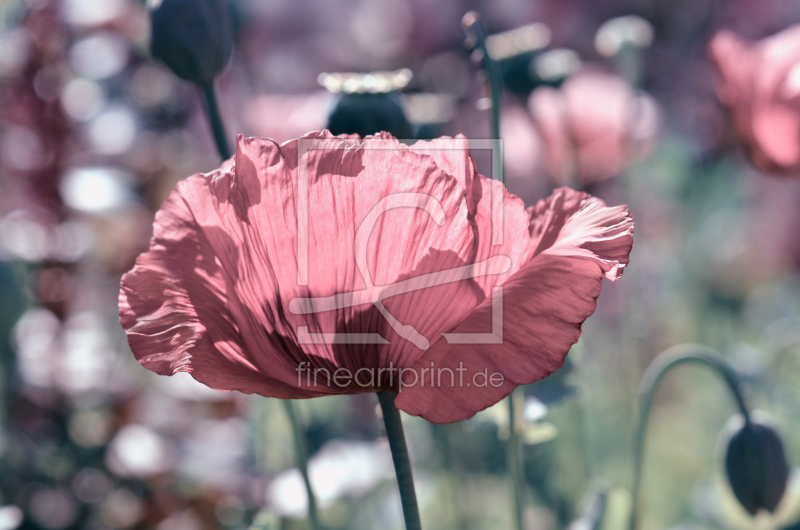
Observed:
{"x":35,"y":335}
{"x":113,"y":131}
{"x":92,"y":12}
{"x":99,"y":56}
{"x":339,"y":469}
{"x":535,"y":410}
{"x":137,"y":451}
{"x":96,"y":189}
{"x":10,"y":517}
{"x":82,"y":99}
{"x":87,"y":356}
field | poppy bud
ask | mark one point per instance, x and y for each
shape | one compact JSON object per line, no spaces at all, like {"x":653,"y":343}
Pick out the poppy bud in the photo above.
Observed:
{"x":194,"y":38}
{"x":755,"y":464}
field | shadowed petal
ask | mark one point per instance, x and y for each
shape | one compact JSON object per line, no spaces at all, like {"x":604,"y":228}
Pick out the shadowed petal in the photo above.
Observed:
{"x":242,"y":225}
{"x":174,"y":307}
{"x":577,"y":241}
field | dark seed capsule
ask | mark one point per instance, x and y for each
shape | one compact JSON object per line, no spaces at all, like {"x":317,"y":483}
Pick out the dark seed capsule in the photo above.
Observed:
{"x":365,"y":114}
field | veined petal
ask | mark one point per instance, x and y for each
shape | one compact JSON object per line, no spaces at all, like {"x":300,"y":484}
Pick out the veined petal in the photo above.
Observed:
{"x":356,"y":246}
{"x":577,"y":241}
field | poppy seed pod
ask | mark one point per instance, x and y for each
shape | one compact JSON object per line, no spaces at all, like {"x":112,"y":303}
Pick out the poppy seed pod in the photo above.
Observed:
{"x":755,"y":464}
{"x":366,"y":114}
{"x":194,"y":38}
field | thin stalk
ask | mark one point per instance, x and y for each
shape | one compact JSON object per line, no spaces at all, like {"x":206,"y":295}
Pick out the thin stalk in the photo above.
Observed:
{"x":402,"y":464}
{"x":677,"y":355}
{"x":215,"y":120}
{"x":477,"y":33}
{"x":301,"y":458}
{"x":515,"y":404}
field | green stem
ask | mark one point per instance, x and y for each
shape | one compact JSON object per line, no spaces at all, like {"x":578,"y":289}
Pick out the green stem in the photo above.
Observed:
{"x":476,"y":31}
{"x":301,"y":457}
{"x":402,"y":464}
{"x":677,"y":355}
{"x":515,"y":404}
{"x":214,"y":118}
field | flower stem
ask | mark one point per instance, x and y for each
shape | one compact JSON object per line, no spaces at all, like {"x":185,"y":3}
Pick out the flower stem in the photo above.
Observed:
{"x":301,"y":458}
{"x":476,"y":32}
{"x":214,"y":118}
{"x":515,"y":404}
{"x":681,"y":354}
{"x":402,"y":464}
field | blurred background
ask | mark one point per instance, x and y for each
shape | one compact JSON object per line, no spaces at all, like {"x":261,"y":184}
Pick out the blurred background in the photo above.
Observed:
{"x":94,"y":134}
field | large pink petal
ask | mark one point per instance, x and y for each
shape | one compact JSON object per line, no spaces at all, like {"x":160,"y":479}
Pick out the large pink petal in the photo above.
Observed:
{"x":246,"y":223}
{"x":577,"y":241}
{"x":174,"y":307}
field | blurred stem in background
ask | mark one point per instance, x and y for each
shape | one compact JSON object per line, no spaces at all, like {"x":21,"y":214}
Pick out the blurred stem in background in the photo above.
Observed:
{"x":301,"y":459}
{"x":476,"y":41}
{"x":402,"y":463}
{"x":441,"y":433}
{"x":215,"y":120}
{"x":670,"y":358}
{"x":624,"y":40}
{"x":516,"y":404}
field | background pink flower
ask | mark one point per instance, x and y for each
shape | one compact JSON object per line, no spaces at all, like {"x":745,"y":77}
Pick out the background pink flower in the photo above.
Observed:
{"x":760,"y":83}
{"x":591,"y":126}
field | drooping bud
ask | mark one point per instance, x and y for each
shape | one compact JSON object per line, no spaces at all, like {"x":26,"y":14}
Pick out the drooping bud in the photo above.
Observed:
{"x":755,"y":463}
{"x":194,"y":38}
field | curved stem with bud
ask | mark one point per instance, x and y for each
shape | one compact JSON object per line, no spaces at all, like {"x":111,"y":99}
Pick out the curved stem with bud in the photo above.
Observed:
{"x":677,"y":355}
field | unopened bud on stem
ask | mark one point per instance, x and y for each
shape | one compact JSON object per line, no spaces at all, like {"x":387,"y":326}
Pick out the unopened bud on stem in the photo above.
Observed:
{"x":194,"y":38}
{"x":755,"y":464}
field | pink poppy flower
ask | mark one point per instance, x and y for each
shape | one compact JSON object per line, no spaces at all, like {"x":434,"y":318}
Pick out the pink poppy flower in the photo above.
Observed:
{"x":265,"y":278}
{"x":590,"y":126}
{"x":760,"y":83}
